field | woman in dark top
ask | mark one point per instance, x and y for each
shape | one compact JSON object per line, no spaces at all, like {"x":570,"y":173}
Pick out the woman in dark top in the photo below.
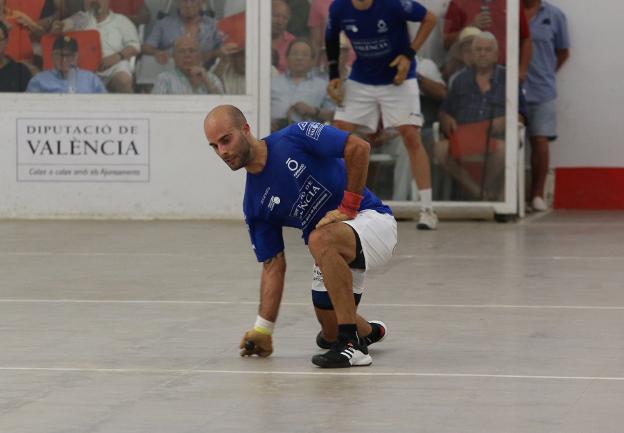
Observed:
{"x":14,"y":76}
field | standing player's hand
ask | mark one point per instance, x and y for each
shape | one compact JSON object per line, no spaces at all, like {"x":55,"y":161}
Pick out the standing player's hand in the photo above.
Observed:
{"x":402,"y":63}
{"x":334,"y":90}
{"x":333,"y":216}
{"x":255,"y":343}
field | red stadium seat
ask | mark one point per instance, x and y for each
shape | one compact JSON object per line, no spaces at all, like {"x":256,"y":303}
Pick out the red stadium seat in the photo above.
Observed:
{"x":233,"y":29}
{"x":19,"y":46}
{"x":89,"y":49}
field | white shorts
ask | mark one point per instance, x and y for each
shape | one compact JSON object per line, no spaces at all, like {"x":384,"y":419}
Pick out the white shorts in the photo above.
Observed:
{"x":107,"y":75}
{"x":378,"y":235}
{"x":399,"y":105}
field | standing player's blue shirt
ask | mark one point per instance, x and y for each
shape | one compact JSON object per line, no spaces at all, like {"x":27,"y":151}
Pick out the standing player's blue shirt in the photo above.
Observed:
{"x":303,"y":179}
{"x":378,"y":35}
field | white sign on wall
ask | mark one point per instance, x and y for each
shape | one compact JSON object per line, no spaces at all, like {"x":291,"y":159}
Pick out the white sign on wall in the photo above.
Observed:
{"x":82,"y":150}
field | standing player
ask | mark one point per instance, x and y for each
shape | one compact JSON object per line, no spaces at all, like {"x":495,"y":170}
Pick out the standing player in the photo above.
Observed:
{"x":296,"y":177}
{"x":383,"y":77}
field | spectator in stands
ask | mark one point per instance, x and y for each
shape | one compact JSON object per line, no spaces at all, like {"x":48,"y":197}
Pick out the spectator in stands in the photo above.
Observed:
{"x":487,"y":15}
{"x":189,"y":75}
{"x":231,"y":71}
{"x":460,"y":54}
{"x":298,"y":23}
{"x":281,"y":38}
{"x":66,"y":77}
{"x":551,"y":49}
{"x":473,"y":119}
{"x":120,"y":42}
{"x":14,"y":76}
{"x":299,"y":94}
{"x":135,"y":10}
{"x":189,"y":21}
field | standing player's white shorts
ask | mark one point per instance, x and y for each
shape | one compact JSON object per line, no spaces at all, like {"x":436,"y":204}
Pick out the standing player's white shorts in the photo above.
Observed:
{"x":399,"y":105}
{"x":378,"y":235}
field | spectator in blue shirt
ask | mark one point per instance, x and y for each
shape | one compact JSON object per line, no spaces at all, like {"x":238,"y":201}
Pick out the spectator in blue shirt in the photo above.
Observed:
{"x":66,"y":77}
{"x":551,"y":49}
{"x":473,"y":119}
{"x":299,"y":94}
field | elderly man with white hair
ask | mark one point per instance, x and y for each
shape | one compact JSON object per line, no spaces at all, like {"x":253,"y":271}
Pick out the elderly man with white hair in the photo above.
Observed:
{"x":473,"y":120}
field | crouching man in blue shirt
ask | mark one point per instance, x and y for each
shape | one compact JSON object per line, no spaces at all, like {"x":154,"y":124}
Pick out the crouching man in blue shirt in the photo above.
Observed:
{"x":310,"y":176}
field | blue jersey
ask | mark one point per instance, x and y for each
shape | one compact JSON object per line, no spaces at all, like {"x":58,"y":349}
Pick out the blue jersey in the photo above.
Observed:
{"x":377,"y":34}
{"x":304,"y":178}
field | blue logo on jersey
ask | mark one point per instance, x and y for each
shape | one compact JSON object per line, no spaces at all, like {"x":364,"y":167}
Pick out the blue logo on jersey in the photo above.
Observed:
{"x":312,"y":197}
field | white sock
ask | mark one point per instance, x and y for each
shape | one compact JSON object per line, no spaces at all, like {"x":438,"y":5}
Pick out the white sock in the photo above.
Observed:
{"x":425,"y":199}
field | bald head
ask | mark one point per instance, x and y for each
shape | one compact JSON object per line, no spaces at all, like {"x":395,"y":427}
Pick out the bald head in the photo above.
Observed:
{"x":228,"y":133}
{"x":225,"y":115}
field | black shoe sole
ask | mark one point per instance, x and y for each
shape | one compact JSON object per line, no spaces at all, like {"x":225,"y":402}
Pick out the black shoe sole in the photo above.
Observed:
{"x":323,"y":362}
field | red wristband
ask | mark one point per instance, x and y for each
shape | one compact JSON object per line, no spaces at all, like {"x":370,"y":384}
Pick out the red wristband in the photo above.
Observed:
{"x":350,"y":204}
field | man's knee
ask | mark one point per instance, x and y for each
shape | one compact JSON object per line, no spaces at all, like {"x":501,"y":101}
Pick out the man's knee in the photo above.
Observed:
{"x":320,"y":241}
{"x":411,"y":137}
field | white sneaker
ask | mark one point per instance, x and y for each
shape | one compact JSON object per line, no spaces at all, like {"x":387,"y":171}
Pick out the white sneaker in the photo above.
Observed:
{"x":539,"y":204}
{"x":428,"y":220}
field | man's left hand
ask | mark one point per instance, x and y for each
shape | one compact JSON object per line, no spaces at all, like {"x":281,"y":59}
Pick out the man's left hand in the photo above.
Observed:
{"x":333,"y":216}
{"x":402,"y":63}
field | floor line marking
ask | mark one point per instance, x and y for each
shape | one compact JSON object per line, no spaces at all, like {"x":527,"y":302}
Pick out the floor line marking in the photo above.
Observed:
{"x":307,"y":304}
{"x":307,"y":373}
{"x":398,"y":256}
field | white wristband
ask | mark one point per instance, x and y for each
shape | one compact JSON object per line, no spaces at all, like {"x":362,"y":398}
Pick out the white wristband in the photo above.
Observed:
{"x":264,"y":326}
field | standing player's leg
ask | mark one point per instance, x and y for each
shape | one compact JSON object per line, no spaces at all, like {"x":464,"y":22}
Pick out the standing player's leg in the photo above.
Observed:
{"x":400,"y":107}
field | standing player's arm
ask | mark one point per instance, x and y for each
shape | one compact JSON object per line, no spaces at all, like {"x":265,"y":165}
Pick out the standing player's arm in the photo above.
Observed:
{"x":426,"y":27}
{"x":356,"y":154}
{"x":403,"y":61}
{"x":332,"y":49}
{"x":258,"y":340}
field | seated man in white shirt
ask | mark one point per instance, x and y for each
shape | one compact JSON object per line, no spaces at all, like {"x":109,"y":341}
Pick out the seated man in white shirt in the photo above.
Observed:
{"x":120,"y":42}
{"x":189,"y":75}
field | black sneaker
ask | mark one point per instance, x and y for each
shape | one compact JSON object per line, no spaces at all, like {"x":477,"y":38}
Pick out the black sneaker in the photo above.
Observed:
{"x":344,"y":355}
{"x":379,"y":332}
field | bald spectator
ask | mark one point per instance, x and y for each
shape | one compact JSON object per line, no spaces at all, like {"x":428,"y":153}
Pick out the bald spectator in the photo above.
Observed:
{"x":188,"y":21}
{"x":280,"y":36}
{"x":189,"y":76}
